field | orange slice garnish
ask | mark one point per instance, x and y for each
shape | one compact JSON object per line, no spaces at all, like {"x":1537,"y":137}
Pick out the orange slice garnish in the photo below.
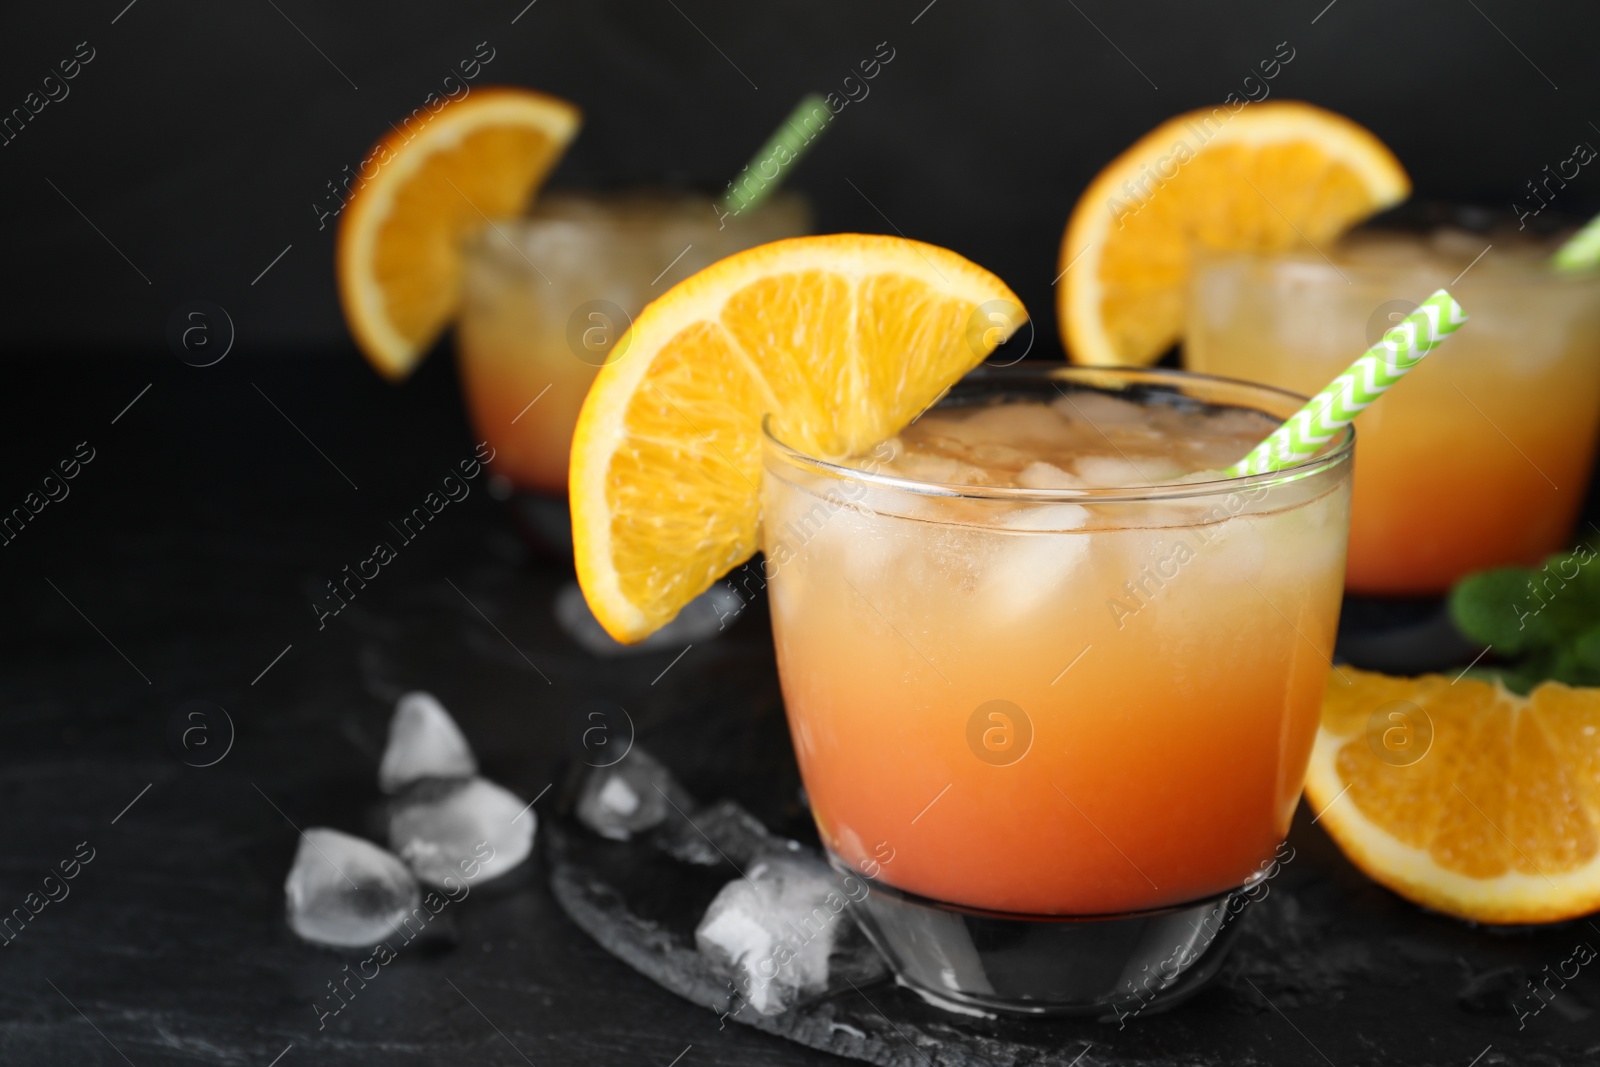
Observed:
{"x":844,"y":339}
{"x":400,"y":236}
{"x":1263,"y":178}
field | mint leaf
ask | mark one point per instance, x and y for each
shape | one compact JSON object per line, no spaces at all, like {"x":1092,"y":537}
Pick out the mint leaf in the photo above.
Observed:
{"x":1496,"y":608}
{"x":1566,"y":591}
{"x":1583,"y":652}
{"x":1588,"y":577}
{"x":1545,"y":621}
{"x":1586,"y":648}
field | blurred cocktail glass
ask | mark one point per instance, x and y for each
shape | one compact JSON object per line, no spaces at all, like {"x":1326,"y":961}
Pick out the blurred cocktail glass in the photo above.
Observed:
{"x":545,"y":300}
{"x":546,"y":297}
{"x":1484,"y":457}
{"x":1053,"y":679}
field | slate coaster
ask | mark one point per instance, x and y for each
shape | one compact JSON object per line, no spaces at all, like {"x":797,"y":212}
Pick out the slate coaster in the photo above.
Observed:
{"x":1329,"y":967}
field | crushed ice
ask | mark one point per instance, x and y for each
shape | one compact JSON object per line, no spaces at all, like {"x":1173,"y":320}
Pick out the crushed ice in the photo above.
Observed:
{"x":449,"y":831}
{"x":628,"y":797}
{"x":774,"y":929}
{"x":342,"y":890}
{"x":424,"y":742}
{"x":447,"y":825}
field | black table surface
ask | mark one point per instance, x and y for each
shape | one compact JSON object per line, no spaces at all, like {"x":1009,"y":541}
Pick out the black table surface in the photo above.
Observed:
{"x":179,"y":573}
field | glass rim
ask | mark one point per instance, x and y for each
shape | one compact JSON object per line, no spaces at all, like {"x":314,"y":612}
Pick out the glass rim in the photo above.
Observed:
{"x":626,"y":209}
{"x":1308,"y":261}
{"x":1338,"y":452}
{"x":621,"y":213}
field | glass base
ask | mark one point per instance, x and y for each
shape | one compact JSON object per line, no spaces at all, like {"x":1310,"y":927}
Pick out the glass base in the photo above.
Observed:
{"x":1110,"y":966}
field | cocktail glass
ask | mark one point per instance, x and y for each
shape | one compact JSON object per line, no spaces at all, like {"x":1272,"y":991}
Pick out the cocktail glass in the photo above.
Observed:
{"x":1483,"y":459}
{"x":1061,"y":732}
{"x":545,"y":300}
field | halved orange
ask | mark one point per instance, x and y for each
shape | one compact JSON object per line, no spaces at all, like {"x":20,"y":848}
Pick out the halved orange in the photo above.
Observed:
{"x":844,"y":339}
{"x":436,"y":180}
{"x":1256,"y":178}
{"x":1463,"y":796}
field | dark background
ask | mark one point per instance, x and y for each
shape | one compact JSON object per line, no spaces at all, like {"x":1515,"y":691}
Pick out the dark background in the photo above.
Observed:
{"x":183,"y":565}
{"x":202,"y":133}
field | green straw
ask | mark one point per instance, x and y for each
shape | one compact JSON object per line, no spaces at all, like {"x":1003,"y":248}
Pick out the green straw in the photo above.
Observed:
{"x":1350,"y":393}
{"x":789,"y":140}
{"x":1582,"y":249}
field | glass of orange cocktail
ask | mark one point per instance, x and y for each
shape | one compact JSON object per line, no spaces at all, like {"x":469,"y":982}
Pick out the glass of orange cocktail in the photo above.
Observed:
{"x":1053,"y":679}
{"x":546,"y":297}
{"x":1483,"y":458}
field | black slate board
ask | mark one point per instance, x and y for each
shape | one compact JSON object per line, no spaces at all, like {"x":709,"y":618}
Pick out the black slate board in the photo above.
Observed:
{"x":194,"y":543}
{"x":1328,"y":967}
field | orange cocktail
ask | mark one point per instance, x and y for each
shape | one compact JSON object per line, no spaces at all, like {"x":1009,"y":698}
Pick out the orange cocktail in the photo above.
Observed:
{"x":545,"y":298}
{"x":1036,"y":662}
{"x":1483,"y":458}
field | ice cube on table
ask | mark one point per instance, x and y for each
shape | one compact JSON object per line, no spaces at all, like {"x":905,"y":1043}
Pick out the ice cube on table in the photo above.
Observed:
{"x":424,"y":742}
{"x":461,"y":831}
{"x":342,"y":890}
{"x":721,"y":833}
{"x":632,"y":795}
{"x":775,"y":929}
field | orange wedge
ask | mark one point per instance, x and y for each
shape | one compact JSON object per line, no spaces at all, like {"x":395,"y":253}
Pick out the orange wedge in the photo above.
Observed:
{"x":844,"y":339}
{"x":1260,"y":178}
{"x":1463,"y":796}
{"x":437,"y":180}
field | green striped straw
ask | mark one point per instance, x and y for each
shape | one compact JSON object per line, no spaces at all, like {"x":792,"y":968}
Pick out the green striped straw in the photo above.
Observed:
{"x":1582,"y":249}
{"x":1351,"y":392}
{"x":792,"y":139}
